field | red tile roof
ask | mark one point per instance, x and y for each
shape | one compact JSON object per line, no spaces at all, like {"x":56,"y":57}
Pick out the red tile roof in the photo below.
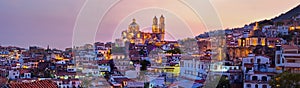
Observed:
{"x":289,"y":47}
{"x":24,"y":71}
{"x":36,"y":84}
{"x":103,"y":61}
{"x":3,"y":80}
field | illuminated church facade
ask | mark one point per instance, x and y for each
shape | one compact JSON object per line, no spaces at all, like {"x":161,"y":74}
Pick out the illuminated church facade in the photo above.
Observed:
{"x":134,"y":35}
{"x":255,"y":39}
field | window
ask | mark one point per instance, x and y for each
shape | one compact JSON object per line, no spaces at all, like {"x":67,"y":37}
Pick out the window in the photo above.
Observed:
{"x":264,"y":78}
{"x":256,"y":86}
{"x":215,"y":67}
{"x":258,"y":60}
{"x":254,"y":77}
{"x":264,"y":86}
{"x":248,"y":85}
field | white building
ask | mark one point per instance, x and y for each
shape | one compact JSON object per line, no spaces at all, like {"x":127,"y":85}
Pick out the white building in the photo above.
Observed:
{"x":157,"y":82}
{"x":257,"y":71}
{"x":287,"y":58}
{"x":284,"y":30}
{"x":70,"y":83}
{"x":25,"y":73}
{"x":194,"y":69}
{"x":13,"y":74}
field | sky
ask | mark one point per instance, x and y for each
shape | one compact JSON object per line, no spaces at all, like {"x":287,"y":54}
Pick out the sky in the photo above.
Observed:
{"x":52,"y":22}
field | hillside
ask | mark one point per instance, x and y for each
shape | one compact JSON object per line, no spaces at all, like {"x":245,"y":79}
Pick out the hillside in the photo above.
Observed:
{"x":288,"y":15}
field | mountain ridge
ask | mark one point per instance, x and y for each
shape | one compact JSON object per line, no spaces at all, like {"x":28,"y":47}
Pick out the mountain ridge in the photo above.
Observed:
{"x":288,"y":15}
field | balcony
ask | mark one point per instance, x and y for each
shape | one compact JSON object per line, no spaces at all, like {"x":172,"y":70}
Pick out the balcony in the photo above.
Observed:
{"x":291,"y":65}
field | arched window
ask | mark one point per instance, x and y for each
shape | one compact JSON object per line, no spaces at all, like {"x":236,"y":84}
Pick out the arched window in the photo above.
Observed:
{"x":264,"y":86}
{"x":248,"y":85}
{"x":256,"y":86}
{"x":264,"y":78}
{"x":258,"y":60}
{"x":254,"y":77}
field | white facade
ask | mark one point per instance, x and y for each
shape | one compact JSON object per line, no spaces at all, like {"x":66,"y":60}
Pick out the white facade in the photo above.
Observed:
{"x":257,"y":71}
{"x":71,"y":69}
{"x":193,"y":69}
{"x":157,"y":82}
{"x":284,"y":30}
{"x":13,"y":74}
{"x":251,"y":59}
{"x":288,"y":58}
{"x":67,"y":84}
{"x":26,"y":75}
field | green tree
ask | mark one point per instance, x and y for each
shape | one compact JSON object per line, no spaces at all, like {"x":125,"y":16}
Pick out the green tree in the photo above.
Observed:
{"x":288,"y":38}
{"x":285,"y":80}
{"x":222,"y":83}
{"x":174,"y":51}
{"x":146,"y":85}
{"x":144,"y":64}
{"x":86,"y":82}
{"x":279,"y":23}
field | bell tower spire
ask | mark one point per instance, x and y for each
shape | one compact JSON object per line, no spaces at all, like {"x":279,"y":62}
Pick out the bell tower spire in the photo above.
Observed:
{"x":155,"y":26}
{"x":162,"y":27}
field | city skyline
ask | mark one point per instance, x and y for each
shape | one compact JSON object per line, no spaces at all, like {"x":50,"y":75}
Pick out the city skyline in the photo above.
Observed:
{"x":150,"y":44}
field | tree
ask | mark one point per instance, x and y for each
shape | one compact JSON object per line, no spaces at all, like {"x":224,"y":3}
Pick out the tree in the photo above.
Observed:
{"x":223,"y":83}
{"x":86,"y":82}
{"x":279,"y":35}
{"x":174,"y":51}
{"x":288,"y":38}
{"x":286,"y":80}
{"x":47,"y":73}
{"x":279,"y":23}
{"x":146,"y":85}
{"x":213,"y":83}
{"x":144,"y":64}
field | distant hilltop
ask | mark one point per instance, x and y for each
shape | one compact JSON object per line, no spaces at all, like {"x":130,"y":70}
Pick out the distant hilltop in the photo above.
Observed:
{"x":288,"y":15}
{"x":285,"y":18}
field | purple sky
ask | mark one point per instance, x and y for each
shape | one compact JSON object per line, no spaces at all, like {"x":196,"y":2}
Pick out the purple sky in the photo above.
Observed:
{"x":35,"y":22}
{"x":51,"y":22}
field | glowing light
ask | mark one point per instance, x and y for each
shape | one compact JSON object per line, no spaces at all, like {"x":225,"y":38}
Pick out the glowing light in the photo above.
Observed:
{"x":263,"y":42}
{"x":66,"y":77}
{"x":293,"y":28}
{"x":58,"y":57}
{"x":25,"y":67}
{"x":277,"y":79}
{"x":76,"y":76}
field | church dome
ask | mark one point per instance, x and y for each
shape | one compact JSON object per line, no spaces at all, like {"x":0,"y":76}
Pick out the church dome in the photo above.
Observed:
{"x":133,"y":24}
{"x":133,"y":27}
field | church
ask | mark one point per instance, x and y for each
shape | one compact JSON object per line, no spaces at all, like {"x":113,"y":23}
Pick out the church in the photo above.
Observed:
{"x":134,"y":35}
